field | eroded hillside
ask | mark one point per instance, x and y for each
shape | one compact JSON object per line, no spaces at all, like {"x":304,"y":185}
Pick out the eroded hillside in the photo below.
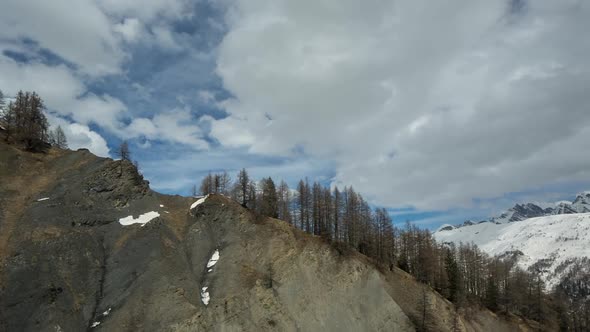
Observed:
{"x":68,"y":264}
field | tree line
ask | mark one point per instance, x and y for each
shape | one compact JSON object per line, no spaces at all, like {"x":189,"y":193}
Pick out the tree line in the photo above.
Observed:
{"x":461,"y":273}
{"x":23,"y":122}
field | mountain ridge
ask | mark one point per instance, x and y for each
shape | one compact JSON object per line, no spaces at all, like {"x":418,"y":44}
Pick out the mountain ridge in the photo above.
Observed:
{"x":550,"y":245}
{"x":523,"y":211}
{"x":71,"y":259}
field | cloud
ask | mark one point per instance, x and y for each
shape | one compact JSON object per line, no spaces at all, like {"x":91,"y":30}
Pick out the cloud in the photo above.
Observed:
{"x":63,"y":92}
{"x":147,"y":10}
{"x":432,"y":105}
{"x":131,"y":29}
{"x":90,"y":43}
{"x":176,"y":126}
{"x":80,"y":136}
{"x":164,"y":38}
{"x":206,"y":96}
{"x":172,"y":170}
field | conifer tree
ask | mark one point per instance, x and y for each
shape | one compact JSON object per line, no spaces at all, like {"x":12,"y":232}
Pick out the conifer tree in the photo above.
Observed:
{"x":269,"y":200}
{"x":123,"y":151}
{"x":242,"y":186}
{"x":60,"y":138}
{"x":25,"y":121}
{"x":2,"y":103}
{"x":284,"y":203}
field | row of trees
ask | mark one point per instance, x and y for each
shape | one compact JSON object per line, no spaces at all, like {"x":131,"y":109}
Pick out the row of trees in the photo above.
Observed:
{"x":24,"y":122}
{"x":463,"y":274}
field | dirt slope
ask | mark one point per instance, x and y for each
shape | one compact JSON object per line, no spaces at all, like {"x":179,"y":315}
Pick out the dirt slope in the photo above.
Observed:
{"x":67,"y":264}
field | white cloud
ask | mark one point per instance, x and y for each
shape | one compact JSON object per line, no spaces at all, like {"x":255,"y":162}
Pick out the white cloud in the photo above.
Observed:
{"x":146,"y":10}
{"x":176,"y":126}
{"x":62,"y":91}
{"x":90,"y":43}
{"x":164,"y":38}
{"x":422,"y":103}
{"x":177,"y":172}
{"x":80,"y":136}
{"x":206,"y":96}
{"x":131,"y":29}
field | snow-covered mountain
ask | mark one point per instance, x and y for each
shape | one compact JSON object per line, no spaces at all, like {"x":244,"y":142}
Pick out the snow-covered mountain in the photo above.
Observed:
{"x":519,"y":212}
{"x":582,"y":202}
{"x":549,"y":244}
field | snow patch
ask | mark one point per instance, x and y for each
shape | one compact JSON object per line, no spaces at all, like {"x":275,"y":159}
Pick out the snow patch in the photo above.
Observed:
{"x":205,"y":296}
{"x":213,"y":259}
{"x":42,"y":199}
{"x":199,"y":202}
{"x":161,"y":205}
{"x":95,"y":324}
{"x":142,"y":219}
{"x":106,"y":313}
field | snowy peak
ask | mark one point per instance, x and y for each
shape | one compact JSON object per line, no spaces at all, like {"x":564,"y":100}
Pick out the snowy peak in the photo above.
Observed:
{"x":564,"y":208}
{"x":582,"y":202}
{"x":549,"y":244}
{"x":520,"y":212}
{"x":550,"y":238}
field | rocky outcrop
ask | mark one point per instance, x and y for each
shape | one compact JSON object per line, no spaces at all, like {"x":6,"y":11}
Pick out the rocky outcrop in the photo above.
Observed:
{"x":582,"y":202}
{"x":67,"y":263}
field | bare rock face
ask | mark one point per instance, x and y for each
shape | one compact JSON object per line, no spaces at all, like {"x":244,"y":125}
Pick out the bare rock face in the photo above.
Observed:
{"x":68,"y":263}
{"x":118,"y":182}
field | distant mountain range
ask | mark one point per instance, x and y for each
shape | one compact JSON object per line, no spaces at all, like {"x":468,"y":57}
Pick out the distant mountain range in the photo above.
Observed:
{"x":553,"y":240}
{"x":519,"y":212}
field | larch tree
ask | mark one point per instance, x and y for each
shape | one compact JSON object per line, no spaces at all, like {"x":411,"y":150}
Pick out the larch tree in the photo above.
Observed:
{"x":269,"y":201}
{"x":207,"y":185}
{"x":252,"y":194}
{"x":224,"y":183}
{"x":123,"y":151}
{"x":60,"y":138}
{"x":337,"y":211}
{"x":242,"y":186}
{"x":51,"y":138}
{"x":284,"y":203}
{"x":2,"y":104}
{"x":25,"y":121}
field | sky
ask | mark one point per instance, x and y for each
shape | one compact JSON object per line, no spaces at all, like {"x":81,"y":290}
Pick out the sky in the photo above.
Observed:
{"x":438,"y":111}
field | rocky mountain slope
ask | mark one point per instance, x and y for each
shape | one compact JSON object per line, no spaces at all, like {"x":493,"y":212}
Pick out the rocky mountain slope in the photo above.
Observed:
{"x":86,"y":245}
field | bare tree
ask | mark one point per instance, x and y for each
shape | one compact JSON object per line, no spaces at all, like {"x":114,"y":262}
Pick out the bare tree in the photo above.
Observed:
{"x":424,"y":312}
{"x":60,"y":138}
{"x":337,"y":211}
{"x":51,"y":138}
{"x":2,"y":104}
{"x":284,"y":203}
{"x":123,"y":151}
{"x":207,"y":185}
{"x":224,"y":183}
{"x":243,"y":186}
{"x":25,"y":121}
{"x":269,"y":200}
{"x":252,"y":193}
